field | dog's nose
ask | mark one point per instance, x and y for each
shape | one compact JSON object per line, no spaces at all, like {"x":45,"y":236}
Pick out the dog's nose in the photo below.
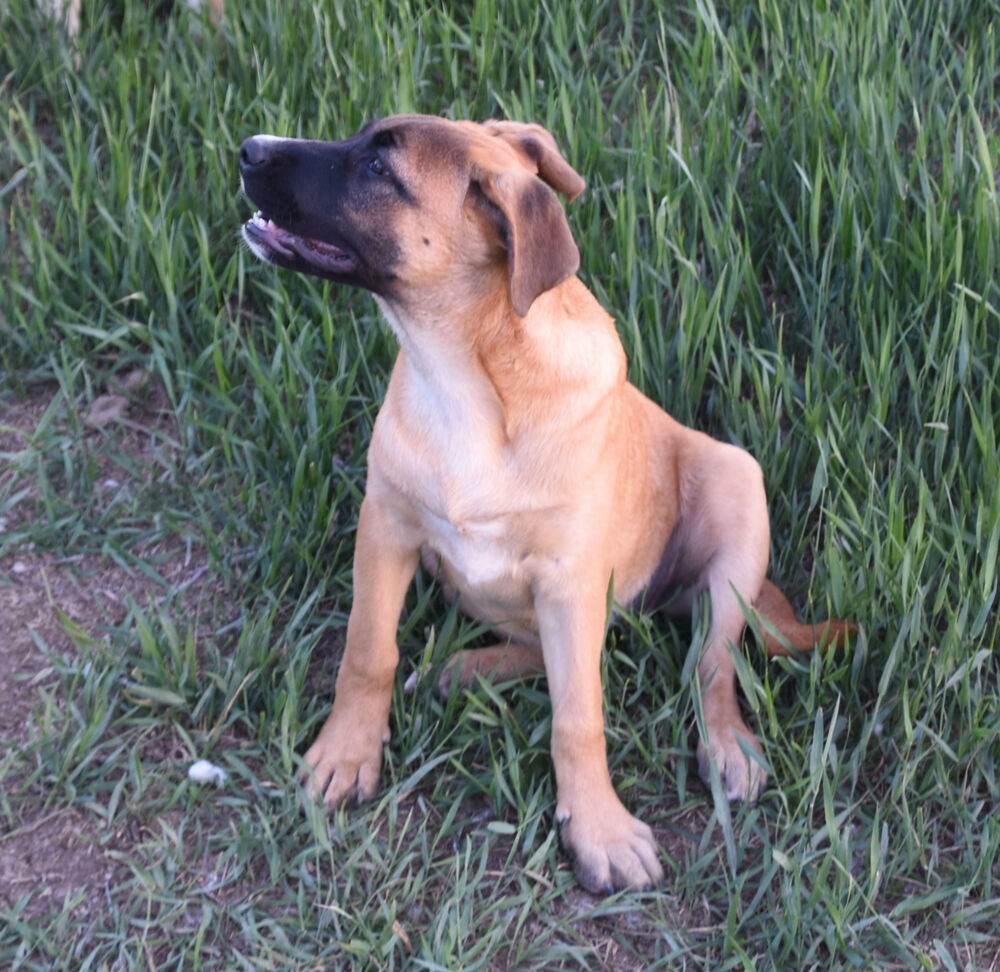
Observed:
{"x":255,"y":152}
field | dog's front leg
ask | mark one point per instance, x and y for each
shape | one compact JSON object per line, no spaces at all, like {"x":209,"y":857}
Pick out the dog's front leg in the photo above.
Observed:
{"x":611,"y":850}
{"x":346,"y":757}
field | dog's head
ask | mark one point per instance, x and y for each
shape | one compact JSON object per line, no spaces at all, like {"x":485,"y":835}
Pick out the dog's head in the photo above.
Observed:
{"x":413,"y":203}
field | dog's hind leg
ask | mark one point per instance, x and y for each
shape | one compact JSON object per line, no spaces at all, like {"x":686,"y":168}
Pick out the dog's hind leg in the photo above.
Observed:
{"x":728,"y":743}
{"x":502,"y":662}
{"x":730,"y":532}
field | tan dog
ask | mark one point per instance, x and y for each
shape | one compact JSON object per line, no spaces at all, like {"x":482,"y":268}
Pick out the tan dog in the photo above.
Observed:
{"x":512,"y":455}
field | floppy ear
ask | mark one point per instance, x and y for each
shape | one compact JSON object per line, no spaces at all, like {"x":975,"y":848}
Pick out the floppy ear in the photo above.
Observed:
{"x":540,"y":147}
{"x":541,"y":251}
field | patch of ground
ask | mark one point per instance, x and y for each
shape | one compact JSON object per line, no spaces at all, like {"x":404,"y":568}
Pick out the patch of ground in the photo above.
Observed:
{"x":45,"y":601}
{"x":41,"y":597}
{"x":56,"y":857}
{"x":40,"y":593}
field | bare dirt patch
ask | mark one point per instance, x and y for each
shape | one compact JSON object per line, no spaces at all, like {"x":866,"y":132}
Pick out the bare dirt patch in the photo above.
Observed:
{"x":57,"y":858}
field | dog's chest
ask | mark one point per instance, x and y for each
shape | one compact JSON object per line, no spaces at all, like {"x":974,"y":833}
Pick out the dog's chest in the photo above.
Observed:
{"x":478,"y":556}
{"x":478,"y":550}
{"x":472,"y":489}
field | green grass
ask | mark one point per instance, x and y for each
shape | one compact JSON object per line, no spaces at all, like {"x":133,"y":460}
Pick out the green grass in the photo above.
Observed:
{"x":792,"y":211}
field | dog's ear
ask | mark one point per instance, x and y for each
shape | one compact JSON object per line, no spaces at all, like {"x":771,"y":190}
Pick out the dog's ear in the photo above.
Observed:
{"x":540,"y":147}
{"x":541,"y":251}
{"x":540,"y":248}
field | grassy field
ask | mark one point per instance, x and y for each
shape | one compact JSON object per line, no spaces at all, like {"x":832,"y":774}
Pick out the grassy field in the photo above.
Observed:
{"x":792,"y":212}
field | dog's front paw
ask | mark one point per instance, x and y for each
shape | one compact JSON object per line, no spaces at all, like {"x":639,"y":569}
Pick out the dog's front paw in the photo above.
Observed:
{"x":742,"y":776}
{"x":610,"y":849}
{"x":344,"y":762}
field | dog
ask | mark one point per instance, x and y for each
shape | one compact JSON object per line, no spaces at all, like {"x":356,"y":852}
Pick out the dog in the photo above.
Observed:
{"x":67,"y":12}
{"x":514,"y":459}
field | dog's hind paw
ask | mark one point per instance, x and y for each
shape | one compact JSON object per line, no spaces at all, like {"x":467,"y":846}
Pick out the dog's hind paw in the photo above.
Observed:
{"x":738,"y":758}
{"x":502,"y":662}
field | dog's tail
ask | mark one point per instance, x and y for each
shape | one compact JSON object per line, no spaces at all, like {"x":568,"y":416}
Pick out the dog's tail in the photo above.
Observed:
{"x":778,"y":616}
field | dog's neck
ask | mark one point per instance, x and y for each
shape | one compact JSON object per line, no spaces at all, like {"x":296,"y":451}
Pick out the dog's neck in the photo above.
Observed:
{"x":489,"y":363}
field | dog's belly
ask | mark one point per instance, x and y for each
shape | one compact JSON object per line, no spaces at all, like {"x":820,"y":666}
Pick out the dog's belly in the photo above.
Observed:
{"x":478,"y":562}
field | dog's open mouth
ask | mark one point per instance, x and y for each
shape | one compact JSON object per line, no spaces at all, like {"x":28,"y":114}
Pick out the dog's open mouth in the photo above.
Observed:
{"x":277,"y":245}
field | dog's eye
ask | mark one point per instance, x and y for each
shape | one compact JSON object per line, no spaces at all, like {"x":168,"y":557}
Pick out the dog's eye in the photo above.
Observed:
{"x":376,"y":166}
